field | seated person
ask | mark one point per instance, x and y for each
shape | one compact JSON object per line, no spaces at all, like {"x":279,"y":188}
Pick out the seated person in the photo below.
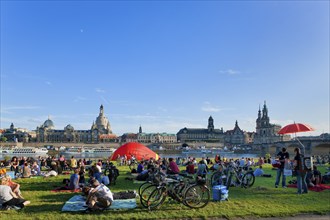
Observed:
{"x":143,"y":176}
{"x":202,"y":168}
{"x":35,"y":170}
{"x":172,"y":167}
{"x":259,"y":171}
{"x":9,"y":198}
{"x":190,"y":168}
{"x":15,"y":187}
{"x":26,"y":170}
{"x":140,"y":167}
{"x":99,"y":197}
{"x":317,"y":176}
{"x":74,"y":180}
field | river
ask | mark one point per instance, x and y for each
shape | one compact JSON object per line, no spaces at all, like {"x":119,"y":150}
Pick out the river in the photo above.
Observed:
{"x":161,"y":154}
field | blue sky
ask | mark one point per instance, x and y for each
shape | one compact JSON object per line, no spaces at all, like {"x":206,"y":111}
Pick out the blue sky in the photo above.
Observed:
{"x":164,"y":65}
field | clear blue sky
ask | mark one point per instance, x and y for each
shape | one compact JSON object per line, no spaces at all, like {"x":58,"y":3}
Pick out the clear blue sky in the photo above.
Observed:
{"x":164,"y":65}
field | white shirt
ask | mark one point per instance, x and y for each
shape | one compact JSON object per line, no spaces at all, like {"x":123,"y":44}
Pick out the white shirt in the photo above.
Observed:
{"x":103,"y":191}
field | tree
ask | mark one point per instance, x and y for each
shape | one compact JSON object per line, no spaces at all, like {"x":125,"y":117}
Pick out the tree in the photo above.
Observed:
{"x":3,"y":139}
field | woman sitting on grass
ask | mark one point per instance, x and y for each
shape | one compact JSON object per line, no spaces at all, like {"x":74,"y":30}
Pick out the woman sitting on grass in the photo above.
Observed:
{"x":9,"y":199}
{"x":15,"y":187}
{"x":26,"y":170}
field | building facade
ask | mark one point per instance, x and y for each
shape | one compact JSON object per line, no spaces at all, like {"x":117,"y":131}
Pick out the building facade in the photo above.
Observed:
{"x":100,"y":132}
{"x":236,"y":136}
{"x":265,"y":131}
{"x":13,"y":134}
{"x":210,"y":134}
{"x":155,"y":137}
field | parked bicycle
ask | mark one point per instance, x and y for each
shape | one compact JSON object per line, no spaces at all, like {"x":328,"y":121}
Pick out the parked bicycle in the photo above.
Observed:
{"x":239,"y":176}
{"x":232,"y":174}
{"x":193,"y":194}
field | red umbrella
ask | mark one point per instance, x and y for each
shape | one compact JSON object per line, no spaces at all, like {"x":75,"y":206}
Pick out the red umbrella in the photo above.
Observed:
{"x":294,"y":128}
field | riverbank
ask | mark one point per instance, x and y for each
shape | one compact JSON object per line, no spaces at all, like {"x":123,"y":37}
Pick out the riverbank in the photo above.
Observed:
{"x":262,"y":201}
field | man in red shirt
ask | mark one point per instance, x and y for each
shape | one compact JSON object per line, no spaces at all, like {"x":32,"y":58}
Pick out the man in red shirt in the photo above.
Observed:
{"x":172,"y":167}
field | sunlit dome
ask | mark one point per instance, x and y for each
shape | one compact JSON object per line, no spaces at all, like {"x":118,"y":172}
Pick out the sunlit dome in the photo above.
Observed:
{"x":69,"y":127}
{"x":48,"y":124}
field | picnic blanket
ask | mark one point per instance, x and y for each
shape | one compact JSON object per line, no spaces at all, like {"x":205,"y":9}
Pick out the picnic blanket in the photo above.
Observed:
{"x":316,"y":188}
{"x":77,"y":204}
{"x":58,"y":190}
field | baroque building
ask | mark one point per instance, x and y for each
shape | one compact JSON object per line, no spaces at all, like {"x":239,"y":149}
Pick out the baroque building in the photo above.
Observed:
{"x":236,"y":136}
{"x":155,"y":137}
{"x":265,"y":131}
{"x":100,"y":131}
{"x":13,"y":134}
{"x":210,"y":134}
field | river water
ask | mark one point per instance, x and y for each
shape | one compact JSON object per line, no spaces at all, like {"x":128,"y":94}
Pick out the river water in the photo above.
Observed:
{"x":162,"y":155}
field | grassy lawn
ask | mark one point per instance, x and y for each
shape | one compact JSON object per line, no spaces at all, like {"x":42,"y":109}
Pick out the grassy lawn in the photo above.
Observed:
{"x":262,"y":200}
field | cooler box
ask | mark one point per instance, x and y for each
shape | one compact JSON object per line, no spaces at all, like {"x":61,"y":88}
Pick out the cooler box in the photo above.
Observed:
{"x":220,"y":193}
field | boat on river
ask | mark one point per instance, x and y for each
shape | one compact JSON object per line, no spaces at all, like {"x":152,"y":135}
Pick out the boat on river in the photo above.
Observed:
{"x":88,"y":150}
{"x":22,"y":150}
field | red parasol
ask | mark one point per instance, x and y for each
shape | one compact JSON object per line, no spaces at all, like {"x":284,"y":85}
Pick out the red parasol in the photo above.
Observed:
{"x":294,"y":128}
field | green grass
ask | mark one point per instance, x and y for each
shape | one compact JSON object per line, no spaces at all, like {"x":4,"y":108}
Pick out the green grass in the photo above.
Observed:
{"x":262,"y":200}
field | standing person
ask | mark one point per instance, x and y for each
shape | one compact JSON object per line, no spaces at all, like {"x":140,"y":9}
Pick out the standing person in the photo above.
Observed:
{"x":301,"y":173}
{"x":282,"y":156}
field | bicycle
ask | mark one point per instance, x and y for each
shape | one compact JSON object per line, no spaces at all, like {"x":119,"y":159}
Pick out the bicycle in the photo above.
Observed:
{"x":191,"y":194}
{"x":243,"y":177}
{"x":219,"y":176}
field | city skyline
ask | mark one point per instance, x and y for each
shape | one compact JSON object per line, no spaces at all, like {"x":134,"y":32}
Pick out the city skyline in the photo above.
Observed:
{"x":164,"y":65}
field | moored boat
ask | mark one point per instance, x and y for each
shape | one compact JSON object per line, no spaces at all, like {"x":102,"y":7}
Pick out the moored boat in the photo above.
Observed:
{"x":22,"y":150}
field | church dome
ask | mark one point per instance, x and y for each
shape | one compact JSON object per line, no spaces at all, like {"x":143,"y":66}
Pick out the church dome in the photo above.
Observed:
{"x":102,"y":123}
{"x":69,"y":127}
{"x":48,"y":124}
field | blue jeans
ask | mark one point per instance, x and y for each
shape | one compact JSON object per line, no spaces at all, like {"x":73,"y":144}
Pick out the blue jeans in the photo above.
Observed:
{"x":301,"y":182}
{"x":280,"y":171}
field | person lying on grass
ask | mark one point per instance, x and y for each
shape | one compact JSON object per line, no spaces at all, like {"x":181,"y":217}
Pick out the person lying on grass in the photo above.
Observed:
{"x":9,"y":199}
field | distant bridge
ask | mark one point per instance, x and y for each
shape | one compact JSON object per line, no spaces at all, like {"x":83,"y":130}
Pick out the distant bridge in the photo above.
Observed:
{"x":308,"y":145}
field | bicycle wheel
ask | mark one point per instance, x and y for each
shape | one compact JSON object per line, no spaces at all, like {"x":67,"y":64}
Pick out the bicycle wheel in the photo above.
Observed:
{"x":156,"y":198}
{"x":145,"y":193}
{"x":217,"y":178}
{"x":248,"y":180}
{"x":143,"y":186}
{"x":196,"y":196}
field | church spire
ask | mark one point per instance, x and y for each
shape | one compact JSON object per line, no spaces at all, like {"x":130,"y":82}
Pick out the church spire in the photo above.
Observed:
{"x":101,"y":110}
{"x":210,"y":126}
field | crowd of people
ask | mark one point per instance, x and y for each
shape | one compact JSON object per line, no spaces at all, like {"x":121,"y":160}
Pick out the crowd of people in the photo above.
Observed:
{"x":103,"y":173}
